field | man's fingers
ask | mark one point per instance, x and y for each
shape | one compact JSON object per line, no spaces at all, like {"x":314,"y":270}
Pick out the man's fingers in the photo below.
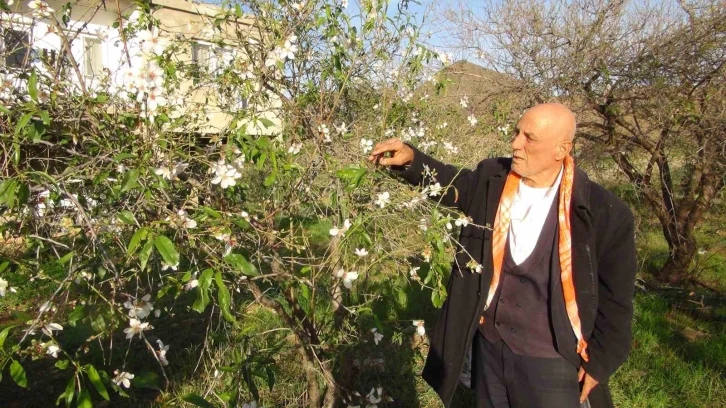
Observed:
{"x":587,"y":386}
{"x":389,"y":145}
{"x":390,"y":161}
{"x":581,"y":374}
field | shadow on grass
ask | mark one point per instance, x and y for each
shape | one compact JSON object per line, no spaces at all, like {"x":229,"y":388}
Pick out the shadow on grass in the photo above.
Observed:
{"x":679,"y":352}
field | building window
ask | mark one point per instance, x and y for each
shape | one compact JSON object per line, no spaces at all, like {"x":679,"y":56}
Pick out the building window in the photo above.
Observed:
{"x":92,"y":56}
{"x":201,"y":57}
{"x":16,"y":48}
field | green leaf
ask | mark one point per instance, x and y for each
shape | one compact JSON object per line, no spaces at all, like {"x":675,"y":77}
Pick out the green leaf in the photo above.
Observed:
{"x":98,"y":323}
{"x":270,"y":376}
{"x":33,"y":86}
{"x":62,"y":365}
{"x":270,"y":180}
{"x":65,"y":258}
{"x":197,"y":400}
{"x":225,"y":300}
{"x":22,"y":123}
{"x":7,"y":192}
{"x":18,"y":374}
{"x":70,"y":390}
{"x":203,"y":297}
{"x":84,"y":399}
{"x":76,"y":315}
{"x":166,"y":250}
{"x":123,"y":156}
{"x":96,"y":381}
{"x":352,"y":175}
{"x":145,"y":253}
{"x":5,"y":110}
{"x":146,"y":379}
{"x":130,"y":181}
{"x":241,"y":264}
{"x":4,"y":335}
{"x":136,"y":239}
{"x":127,"y":217}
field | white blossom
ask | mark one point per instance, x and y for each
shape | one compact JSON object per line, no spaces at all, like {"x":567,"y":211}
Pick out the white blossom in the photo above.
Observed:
{"x":289,"y":49}
{"x":434,"y":190}
{"x":164,"y":266}
{"x":366,"y":145}
{"x":325,"y":132}
{"x":251,"y":404}
{"x":161,"y":353}
{"x":4,"y":287}
{"x":383,"y":199}
{"x":464,"y":102}
{"x":413,"y":273}
{"x":445,"y":58}
{"x":123,"y":378}
{"x":135,"y":327}
{"x":462,"y":221}
{"x":151,"y":42}
{"x":49,"y":328}
{"x":341,"y":129}
{"x":52,"y":350}
{"x":361,"y":252}
{"x":40,"y":8}
{"x":376,"y":336}
{"x":139,"y":308}
{"x":420,"y":329}
{"x":294,"y":148}
{"x":374,"y":397}
{"x":227,"y":178}
{"x":335,"y":231}
{"x":451,"y":148}
{"x":348,"y":277}
{"x":472,"y":120}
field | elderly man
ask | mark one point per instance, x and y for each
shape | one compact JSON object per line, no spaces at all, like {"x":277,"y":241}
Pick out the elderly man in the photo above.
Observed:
{"x":549,"y":314}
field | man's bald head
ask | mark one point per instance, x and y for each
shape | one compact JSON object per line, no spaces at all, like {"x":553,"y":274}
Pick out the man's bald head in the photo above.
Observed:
{"x":557,"y":118}
{"x":543,"y":139}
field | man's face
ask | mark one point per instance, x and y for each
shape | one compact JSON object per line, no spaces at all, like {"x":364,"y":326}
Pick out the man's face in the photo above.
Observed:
{"x":534,"y":147}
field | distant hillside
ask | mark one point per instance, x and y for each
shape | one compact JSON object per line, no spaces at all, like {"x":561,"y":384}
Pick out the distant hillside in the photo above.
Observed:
{"x":483,"y":87}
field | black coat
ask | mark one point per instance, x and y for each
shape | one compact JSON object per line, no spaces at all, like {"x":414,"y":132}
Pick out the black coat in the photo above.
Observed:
{"x":603,"y":265}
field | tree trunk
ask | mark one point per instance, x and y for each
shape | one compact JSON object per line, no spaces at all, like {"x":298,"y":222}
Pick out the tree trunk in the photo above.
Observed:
{"x":677,"y":267}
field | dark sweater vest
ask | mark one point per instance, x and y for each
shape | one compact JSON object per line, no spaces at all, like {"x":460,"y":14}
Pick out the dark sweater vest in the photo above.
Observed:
{"x":519,"y":312}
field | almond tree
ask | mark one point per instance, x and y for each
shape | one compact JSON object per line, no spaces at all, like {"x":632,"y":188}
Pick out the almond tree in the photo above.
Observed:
{"x":122,"y":201}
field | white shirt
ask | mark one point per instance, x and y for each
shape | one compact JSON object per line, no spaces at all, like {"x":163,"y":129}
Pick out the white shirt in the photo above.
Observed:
{"x":529,"y":212}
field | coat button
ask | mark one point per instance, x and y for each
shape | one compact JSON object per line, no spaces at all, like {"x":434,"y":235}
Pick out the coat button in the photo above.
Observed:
{"x":481,"y":320}
{"x":521,"y":280}
{"x":519,"y":305}
{"x":497,"y":324}
{"x":501,"y":300}
{"x":513,"y":330}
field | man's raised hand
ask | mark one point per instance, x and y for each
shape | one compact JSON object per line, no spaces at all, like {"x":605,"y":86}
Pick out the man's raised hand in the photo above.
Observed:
{"x":401,"y":153}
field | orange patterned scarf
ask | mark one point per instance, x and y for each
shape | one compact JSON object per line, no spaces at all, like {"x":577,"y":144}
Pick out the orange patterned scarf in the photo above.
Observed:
{"x":501,"y":230}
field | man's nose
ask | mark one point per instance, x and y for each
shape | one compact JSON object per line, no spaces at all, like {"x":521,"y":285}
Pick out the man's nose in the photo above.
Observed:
{"x":517,"y":141}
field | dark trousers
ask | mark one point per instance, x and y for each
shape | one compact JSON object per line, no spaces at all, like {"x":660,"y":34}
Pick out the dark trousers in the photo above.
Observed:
{"x":503,"y":379}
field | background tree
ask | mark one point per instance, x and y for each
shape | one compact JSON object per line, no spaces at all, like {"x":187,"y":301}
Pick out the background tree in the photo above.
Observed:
{"x":647,"y":81}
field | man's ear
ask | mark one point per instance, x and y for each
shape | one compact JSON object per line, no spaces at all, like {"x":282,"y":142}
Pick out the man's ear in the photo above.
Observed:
{"x":563,"y":149}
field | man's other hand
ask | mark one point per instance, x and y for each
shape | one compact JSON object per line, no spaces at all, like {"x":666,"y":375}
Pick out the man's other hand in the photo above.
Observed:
{"x":400,"y":153}
{"x":587,"y":383}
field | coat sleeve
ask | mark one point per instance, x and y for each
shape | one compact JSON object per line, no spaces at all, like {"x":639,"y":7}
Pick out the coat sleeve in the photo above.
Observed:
{"x":609,"y":344}
{"x":458,"y":183}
